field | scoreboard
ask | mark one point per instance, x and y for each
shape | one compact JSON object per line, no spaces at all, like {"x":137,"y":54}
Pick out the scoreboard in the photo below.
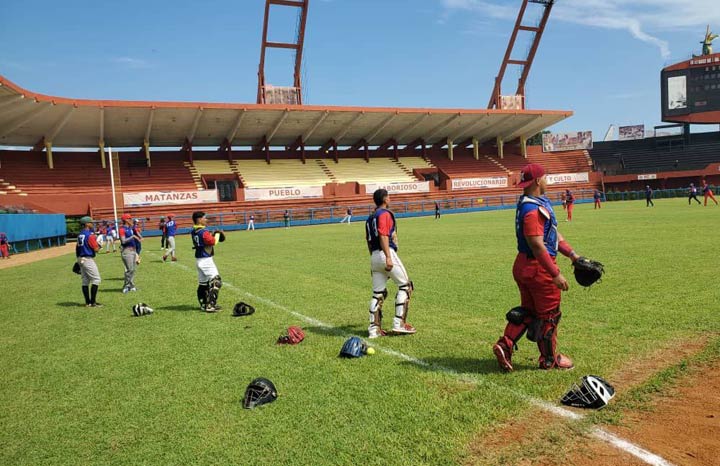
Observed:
{"x":691,"y":91}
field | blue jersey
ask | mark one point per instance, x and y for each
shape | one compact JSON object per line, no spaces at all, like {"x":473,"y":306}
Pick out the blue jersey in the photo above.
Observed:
{"x":170,"y":227}
{"x":127,"y":232}
{"x":199,"y":243}
{"x":83,"y":248}
{"x":372,"y":235}
{"x":596,"y":195}
{"x":527,"y":204}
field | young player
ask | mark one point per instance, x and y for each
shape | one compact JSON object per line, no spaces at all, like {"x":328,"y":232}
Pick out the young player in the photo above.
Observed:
{"x":437,"y":210}
{"x":137,"y":231}
{"x":537,"y":275}
{"x":209,"y":281}
{"x":597,"y":196}
{"x":163,"y":234}
{"x":171,"y":229}
{"x":128,"y":252}
{"x":570,"y":203}
{"x":348,"y":216}
{"x":707,"y":192}
{"x":85,"y":250}
{"x":692,"y":194}
{"x":110,"y":236}
{"x":563,"y":199}
{"x":251,"y":222}
{"x":286,"y":217}
{"x":381,"y":236}
{"x":648,"y":196}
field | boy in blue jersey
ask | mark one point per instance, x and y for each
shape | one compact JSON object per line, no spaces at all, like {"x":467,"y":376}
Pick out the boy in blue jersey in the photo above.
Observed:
{"x":209,"y":281}
{"x":170,"y":230}
{"x":128,"y":252}
{"x":381,"y":237}
{"x":85,"y":250}
{"x":537,"y":275}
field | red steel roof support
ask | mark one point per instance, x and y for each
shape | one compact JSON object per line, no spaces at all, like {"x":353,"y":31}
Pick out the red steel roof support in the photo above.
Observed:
{"x":527,"y":63}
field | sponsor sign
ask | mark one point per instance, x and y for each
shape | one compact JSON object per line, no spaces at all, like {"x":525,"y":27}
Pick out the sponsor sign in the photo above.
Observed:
{"x":511,"y":102}
{"x":399,"y":188}
{"x":555,"y":142}
{"x":274,"y":194}
{"x":564,"y":178}
{"x":651,"y":176}
{"x":628,"y":133}
{"x":479,"y":183}
{"x":169,"y":197}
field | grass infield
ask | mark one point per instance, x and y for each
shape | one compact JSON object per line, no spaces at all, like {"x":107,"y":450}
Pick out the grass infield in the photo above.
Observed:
{"x":97,"y":386}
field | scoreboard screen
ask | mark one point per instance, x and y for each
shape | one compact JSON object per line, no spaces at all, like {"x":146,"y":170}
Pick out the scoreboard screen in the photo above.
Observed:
{"x":690,"y":90}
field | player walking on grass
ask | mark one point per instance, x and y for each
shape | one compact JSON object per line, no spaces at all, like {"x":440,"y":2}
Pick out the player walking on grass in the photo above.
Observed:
{"x":170,"y":229}
{"x":692,"y":194}
{"x":209,"y":281}
{"x":163,"y":233}
{"x":707,"y":192}
{"x":570,"y":201}
{"x":128,"y":252}
{"x":597,"y":196}
{"x":537,"y":275}
{"x":648,"y":196}
{"x":85,"y":250}
{"x":4,"y":246}
{"x":381,"y":237}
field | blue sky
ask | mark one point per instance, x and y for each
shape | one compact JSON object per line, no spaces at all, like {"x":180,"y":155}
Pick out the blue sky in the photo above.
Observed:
{"x":598,"y":58}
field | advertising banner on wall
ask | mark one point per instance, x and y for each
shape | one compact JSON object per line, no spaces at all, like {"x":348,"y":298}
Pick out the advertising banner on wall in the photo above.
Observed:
{"x":276,"y":194}
{"x":555,"y":142}
{"x":650,"y":176}
{"x":628,"y":133}
{"x":169,"y":197}
{"x":564,"y":178}
{"x":479,"y":183}
{"x":399,"y":188}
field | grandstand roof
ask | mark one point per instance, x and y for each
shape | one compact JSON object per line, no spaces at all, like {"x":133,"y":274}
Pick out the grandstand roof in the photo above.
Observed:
{"x":27,"y":117}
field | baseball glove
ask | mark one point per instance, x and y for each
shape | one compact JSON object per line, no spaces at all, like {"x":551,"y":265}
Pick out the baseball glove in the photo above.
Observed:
{"x":587,"y":271}
{"x":294,"y":336}
{"x":242,"y":309}
{"x":219,"y":236}
{"x":76,"y":268}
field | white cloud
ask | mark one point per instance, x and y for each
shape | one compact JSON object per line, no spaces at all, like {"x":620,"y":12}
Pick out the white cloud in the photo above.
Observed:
{"x":645,"y":20}
{"x":134,"y":63}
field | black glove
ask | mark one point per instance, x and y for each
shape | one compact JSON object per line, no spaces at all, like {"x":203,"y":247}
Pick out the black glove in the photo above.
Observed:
{"x":219,"y":236}
{"x":587,"y":271}
{"x":76,"y":268}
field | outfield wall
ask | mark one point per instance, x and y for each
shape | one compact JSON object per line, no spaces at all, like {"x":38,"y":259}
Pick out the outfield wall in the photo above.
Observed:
{"x":27,"y":232}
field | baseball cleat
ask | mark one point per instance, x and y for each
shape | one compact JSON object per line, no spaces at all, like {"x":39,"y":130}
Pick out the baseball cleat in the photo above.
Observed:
{"x":376,"y":332}
{"x":125,"y":290}
{"x":164,"y":258}
{"x":562,"y":362}
{"x":210,"y":309}
{"x":404,"y":329}
{"x":133,"y":289}
{"x":174,"y":259}
{"x":503,"y":356}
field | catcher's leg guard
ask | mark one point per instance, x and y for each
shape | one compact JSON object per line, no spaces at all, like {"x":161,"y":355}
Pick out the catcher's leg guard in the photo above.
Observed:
{"x":547,"y":344}
{"x":202,"y":292}
{"x":376,"y":304}
{"x":402,"y":302}
{"x":518,"y":320}
{"x":214,"y":286}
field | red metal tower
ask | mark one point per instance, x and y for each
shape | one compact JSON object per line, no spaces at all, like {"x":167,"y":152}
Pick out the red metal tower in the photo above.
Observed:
{"x":495,"y":98}
{"x":267,"y":94}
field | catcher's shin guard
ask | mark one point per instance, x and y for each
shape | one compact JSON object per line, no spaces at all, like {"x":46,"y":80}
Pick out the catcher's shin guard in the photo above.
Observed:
{"x":402,"y":302}
{"x":202,"y":292}
{"x":376,"y":304}
{"x":547,"y":344}
{"x":213,"y":292}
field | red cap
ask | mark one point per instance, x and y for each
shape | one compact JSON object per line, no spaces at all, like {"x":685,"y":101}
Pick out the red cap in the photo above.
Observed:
{"x":530,"y":173}
{"x":126,"y":217}
{"x":170,"y":215}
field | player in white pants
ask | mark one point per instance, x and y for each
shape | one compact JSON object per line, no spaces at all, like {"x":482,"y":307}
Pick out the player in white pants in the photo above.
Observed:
{"x":251,"y":223}
{"x":381,"y":236}
{"x":209,"y":281}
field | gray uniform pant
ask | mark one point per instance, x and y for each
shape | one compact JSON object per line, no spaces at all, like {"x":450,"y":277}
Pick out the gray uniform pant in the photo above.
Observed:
{"x":129,"y":256}
{"x":88,"y":271}
{"x":171,"y":246}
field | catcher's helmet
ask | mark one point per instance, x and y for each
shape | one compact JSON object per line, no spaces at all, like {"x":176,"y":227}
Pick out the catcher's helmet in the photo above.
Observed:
{"x":259,"y":392}
{"x":141,"y":309}
{"x":354,"y":347}
{"x":242,"y":309}
{"x":593,"y":392}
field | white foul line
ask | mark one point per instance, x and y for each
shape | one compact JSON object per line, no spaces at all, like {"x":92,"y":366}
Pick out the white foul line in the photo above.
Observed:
{"x":597,"y":432}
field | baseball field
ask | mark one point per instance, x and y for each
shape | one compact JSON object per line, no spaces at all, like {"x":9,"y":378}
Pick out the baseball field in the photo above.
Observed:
{"x":98,"y":386}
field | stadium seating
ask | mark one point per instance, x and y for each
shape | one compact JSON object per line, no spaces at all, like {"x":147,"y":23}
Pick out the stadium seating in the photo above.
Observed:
{"x":464,"y":165}
{"x":412,"y":163}
{"x":376,"y":170}
{"x":281,"y":172}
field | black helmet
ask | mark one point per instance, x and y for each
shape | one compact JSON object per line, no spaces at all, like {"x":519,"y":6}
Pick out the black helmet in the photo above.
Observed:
{"x":141,"y":309}
{"x":259,"y":392}
{"x":593,"y":392}
{"x":242,"y":309}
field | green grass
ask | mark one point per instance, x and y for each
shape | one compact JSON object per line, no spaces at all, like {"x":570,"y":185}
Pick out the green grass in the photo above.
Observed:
{"x":97,"y":386}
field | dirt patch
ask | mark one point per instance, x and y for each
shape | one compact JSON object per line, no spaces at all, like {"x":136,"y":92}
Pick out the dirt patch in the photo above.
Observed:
{"x":34,"y":256}
{"x":682,"y":426}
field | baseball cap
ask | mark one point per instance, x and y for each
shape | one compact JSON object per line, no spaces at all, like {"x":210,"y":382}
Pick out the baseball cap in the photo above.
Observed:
{"x":530,"y":173}
{"x":86,"y":219}
{"x":126,"y":217}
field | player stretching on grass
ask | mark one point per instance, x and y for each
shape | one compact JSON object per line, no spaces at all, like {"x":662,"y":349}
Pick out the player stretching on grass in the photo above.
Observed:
{"x":537,"y":275}
{"x":707,"y":192}
{"x":381,"y":236}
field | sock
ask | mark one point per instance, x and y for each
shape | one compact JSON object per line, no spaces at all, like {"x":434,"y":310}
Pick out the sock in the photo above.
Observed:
{"x":86,"y":293}
{"x":93,"y":293}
